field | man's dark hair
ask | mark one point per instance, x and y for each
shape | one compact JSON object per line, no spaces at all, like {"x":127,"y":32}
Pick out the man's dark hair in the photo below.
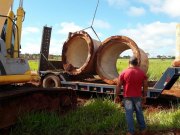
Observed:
{"x":133,"y":61}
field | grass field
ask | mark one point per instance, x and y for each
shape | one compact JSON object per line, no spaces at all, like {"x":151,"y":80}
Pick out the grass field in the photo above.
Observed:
{"x":33,"y":65}
{"x":96,"y":117}
{"x":155,"y":70}
{"x":156,"y":66}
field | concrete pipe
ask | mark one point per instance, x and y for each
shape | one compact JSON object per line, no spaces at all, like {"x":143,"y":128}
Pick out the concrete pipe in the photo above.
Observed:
{"x":78,"y":54}
{"x":176,"y":62}
{"x":109,"y":52}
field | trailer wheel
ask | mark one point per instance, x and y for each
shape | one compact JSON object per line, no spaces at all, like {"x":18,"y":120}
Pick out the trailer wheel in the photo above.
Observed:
{"x":51,"y":81}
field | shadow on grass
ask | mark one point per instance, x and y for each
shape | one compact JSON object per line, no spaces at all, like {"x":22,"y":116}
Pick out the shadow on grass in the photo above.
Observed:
{"x":96,"y":117}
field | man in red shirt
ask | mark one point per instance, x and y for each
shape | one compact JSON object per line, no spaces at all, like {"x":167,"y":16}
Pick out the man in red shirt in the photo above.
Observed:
{"x":133,"y":79}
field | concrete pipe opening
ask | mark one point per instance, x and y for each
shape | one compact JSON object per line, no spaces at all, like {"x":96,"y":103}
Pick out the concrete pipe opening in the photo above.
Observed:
{"x":108,"y":55}
{"x":78,"y":53}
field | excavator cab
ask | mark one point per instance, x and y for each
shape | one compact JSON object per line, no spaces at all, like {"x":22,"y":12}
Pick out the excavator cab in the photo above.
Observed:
{"x":3,"y":37}
{"x":3,"y":33}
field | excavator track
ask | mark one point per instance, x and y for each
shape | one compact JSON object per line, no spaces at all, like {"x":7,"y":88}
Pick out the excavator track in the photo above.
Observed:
{"x":15,"y":102}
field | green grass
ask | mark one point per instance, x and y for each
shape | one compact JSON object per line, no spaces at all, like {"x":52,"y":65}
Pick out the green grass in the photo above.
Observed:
{"x":121,"y":64}
{"x":156,"y":67}
{"x":163,"y":120}
{"x":96,"y":117}
{"x":33,"y":65}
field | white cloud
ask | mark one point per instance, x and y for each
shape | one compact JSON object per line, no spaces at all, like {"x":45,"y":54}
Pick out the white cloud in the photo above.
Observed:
{"x":31,"y":40}
{"x":32,"y":43}
{"x":56,"y":46}
{"x":169,"y":7}
{"x":152,"y":2}
{"x":67,"y":27}
{"x":31,"y":48}
{"x":135,"y":11}
{"x":101,"y":24}
{"x":30,"y":30}
{"x":93,"y":35}
{"x":156,"y":38}
{"x":118,"y":2}
{"x":125,"y":6}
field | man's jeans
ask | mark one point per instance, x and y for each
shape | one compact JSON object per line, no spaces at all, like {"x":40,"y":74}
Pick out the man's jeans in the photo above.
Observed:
{"x":134,"y":104}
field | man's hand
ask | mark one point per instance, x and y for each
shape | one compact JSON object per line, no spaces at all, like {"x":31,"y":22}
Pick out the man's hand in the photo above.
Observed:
{"x":117,"y":99}
{"x":143,"y":101}
{"x":145,"y":87}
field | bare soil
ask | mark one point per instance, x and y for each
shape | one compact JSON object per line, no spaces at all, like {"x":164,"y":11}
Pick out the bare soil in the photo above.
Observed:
{"x":172,"y":92}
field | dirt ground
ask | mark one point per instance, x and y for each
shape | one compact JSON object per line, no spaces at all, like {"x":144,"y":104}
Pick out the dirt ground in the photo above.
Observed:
{"x":175,"y":91}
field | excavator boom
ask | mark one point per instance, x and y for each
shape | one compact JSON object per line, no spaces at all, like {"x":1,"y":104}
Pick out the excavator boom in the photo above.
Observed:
{"x":4,"y":10}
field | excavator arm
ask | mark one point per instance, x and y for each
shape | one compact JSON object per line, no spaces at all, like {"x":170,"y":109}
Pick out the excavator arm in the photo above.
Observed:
{"x":4,"y":9}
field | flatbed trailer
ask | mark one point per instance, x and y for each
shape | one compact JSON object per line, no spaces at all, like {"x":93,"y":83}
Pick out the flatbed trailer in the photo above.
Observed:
{"x":167,"y":80}
{"x":53,"y":75}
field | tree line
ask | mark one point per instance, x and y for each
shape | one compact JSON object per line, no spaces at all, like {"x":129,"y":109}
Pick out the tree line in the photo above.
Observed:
{"x":37,"y":56}
{"x":58,"y":57}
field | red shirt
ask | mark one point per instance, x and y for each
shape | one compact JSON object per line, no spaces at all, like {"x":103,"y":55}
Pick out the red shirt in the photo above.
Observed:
{"x":132,"y":80}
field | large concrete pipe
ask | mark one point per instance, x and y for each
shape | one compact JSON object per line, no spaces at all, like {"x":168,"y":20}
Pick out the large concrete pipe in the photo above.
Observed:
{"x":78,"y":54}
{"x":176,"y":62}
{"x":109,"y":52}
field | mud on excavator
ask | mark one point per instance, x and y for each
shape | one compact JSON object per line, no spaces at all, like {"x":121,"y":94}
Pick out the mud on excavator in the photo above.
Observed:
{"x":18,"y":99}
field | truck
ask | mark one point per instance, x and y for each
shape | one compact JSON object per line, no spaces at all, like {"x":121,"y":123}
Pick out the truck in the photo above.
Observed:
{"x":52,"y":74}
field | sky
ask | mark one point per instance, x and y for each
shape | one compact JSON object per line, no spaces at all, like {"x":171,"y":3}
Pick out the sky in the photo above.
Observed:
{"x":149,"y":23}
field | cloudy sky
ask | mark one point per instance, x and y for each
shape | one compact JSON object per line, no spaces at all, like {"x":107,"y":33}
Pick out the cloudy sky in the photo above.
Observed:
{"x":150,"y":23}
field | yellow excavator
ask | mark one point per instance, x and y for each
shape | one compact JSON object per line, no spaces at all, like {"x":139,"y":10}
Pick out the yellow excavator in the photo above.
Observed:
{"x":15,"y":100}
{"x":13,"y":69}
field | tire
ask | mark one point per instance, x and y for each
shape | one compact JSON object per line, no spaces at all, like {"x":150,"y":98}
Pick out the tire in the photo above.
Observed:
{"x":51,"y":81}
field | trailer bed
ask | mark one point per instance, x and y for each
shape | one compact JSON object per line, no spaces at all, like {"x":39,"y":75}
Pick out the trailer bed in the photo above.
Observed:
{"x":103,"y":88}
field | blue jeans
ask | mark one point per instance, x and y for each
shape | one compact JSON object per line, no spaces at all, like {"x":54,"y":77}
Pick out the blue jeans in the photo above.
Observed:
{"x":134,"y":104}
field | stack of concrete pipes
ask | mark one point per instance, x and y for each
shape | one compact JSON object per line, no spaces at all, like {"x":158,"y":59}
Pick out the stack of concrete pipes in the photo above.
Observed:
{"x":83,"y":55}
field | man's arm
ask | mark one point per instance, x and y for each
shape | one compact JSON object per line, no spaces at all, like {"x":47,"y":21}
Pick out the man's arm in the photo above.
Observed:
{"x":118,"y":91}
{"x":144,"y":94}
{"x":145,"y":87}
